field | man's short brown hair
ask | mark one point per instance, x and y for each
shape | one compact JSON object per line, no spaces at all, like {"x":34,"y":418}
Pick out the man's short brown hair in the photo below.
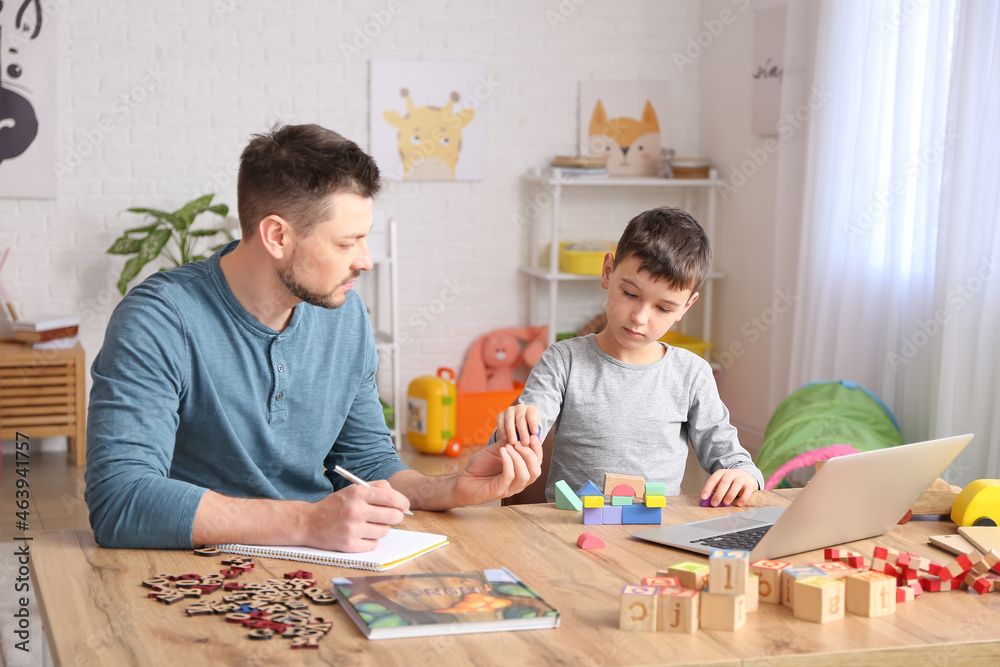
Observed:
{"x":291,"y":172}
{"x":670,"y":244}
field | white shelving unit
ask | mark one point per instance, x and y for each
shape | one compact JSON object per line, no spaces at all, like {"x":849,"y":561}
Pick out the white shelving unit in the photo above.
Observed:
{"x":381,"y":296}
{"x":555,"y":184}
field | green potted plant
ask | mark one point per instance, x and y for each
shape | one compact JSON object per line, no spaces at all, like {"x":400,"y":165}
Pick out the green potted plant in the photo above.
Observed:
{"x":151,"y":241}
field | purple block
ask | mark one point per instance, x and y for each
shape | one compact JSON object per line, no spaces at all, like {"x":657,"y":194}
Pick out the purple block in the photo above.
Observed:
{"x":612,"y":515}
{"x":708,"y":503}
{"x":593,"y":516}
{"x":640,"y":514}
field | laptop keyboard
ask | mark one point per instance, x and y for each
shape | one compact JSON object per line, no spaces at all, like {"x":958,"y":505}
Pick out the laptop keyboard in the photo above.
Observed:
{"x":744,"y":540}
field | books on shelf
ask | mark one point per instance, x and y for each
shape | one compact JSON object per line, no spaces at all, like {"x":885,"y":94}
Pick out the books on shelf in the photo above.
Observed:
{"x":48,"y":333}
{"x":575,"y":166}
{"x":47,"y":323}
{"x":394,"y":549}
{"x":423,"y":605}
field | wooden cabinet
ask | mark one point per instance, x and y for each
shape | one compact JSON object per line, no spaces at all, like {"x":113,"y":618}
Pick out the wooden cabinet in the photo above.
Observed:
{"x":43,"y":394}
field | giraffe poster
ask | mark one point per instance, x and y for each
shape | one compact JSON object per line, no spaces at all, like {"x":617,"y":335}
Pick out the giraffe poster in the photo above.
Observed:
{"x":27,"y":100}
{"x":628,"y":123}
{"x":428,"y":119}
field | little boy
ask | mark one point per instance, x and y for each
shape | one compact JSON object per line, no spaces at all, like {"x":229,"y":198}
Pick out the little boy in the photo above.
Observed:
{"x":621,"y":401}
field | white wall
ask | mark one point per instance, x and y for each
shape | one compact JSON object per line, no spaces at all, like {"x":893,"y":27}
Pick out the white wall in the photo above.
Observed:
{"x":745,"y":301}
{"x":157,"y":102}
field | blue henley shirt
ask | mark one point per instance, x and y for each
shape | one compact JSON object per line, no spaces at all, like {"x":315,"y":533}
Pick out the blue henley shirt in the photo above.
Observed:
{"x":190,"y":392}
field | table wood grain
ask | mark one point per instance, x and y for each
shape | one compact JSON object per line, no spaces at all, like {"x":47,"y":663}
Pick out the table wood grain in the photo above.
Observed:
{"x":96,"y":611}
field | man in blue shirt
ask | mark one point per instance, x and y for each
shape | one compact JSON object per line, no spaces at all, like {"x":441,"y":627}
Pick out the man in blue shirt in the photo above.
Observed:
{"x":227,"y":390}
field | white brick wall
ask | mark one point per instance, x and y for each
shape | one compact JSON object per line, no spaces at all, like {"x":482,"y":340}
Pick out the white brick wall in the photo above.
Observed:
{"x":157,"y":103}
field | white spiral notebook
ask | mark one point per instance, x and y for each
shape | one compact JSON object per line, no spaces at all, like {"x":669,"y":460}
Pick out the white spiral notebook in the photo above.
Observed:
{"x":394,"y":549}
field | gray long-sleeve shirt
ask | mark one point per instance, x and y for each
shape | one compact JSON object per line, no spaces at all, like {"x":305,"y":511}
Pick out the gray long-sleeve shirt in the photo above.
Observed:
{"x":610,"y":416}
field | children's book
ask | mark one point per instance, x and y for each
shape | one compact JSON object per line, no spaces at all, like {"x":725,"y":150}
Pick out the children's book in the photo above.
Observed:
{"x":394,"y":549}
{"x":422,"y":605}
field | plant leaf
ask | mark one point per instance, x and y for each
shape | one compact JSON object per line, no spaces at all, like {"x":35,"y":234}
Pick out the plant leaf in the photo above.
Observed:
{"x":153,"y":244}
{"x":144,"y":228}
{"x":187,"y":213}
{"x":207,"y":232}
{"x":125,"y":246}
{"x":130,"y":271}
{"x":160,"y":215}
{"x":219,"y":209}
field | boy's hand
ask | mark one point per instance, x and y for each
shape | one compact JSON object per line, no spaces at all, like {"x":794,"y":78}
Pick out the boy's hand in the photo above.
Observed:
{"x":729,"y":486}
{"x":519,"y":424}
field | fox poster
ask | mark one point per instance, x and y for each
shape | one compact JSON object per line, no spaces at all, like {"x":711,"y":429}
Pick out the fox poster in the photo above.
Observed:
{"x":626,"y":122}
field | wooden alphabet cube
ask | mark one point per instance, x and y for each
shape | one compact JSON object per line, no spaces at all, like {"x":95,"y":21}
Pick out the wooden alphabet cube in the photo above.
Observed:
{"x":871,"y":594}
{"x":637,"y":482}
{"x":770,"y":579}
{"x":788,"y":578}
{"x":834,"y":569}
{"x":753,"y":593}
{"x":728,"y":572}
{"x":679,"y":609}
{"x":819,"y":599}
{"x":723,"y":612}
{"x":662,"y":582}
{"x":637,"y":612}
{"x":690,"y":574}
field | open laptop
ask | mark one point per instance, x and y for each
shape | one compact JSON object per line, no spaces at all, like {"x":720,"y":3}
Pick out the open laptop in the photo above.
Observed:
{"x":849,"y":498}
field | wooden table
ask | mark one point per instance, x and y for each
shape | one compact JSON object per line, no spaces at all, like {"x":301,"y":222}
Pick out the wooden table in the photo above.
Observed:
{"x":96,"y":612}
{"x":43,"y":394}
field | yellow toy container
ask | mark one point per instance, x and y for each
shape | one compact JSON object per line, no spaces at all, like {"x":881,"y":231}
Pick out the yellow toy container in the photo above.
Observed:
{"x":978,"y":504}
{"x":431,"y":413}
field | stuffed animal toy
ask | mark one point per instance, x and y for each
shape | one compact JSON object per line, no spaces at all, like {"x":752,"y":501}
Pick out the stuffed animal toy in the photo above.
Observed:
{"x":494,"y":357}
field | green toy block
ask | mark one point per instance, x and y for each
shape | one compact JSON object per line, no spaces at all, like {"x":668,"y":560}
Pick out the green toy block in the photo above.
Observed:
{"x":656,"y":488}
{"x":566,"y":499}
{"x":621,"y":500}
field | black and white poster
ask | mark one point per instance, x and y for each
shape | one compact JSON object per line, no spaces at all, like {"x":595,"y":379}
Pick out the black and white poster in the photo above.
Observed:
{"x":27,"y":100}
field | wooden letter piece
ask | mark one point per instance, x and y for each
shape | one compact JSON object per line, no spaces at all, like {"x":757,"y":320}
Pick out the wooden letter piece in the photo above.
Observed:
{"x":690,"y":574}
{"x":788,"y":578}
{"x":638,"y":608}
{"x":723,"y":612}
{"x":770,"y":579}
{"x":728,"y":572}
{"x":871,"y":594}
{"x":819,"y":600}
{"x":679,"y":609}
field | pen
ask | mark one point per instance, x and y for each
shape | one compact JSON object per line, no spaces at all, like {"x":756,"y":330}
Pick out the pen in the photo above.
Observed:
{"x":354,"y":479}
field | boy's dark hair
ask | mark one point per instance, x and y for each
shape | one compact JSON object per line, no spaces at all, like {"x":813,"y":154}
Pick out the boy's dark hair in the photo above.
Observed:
{"x":292,"y":170}
{"x":670,"y":244}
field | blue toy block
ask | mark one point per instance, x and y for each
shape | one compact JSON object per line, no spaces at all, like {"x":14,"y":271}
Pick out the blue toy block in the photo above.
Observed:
{"x":612,"y":515}
{"x":589,"y":489}
{"x":565,"y":498}
{"x":593,"y":516}
{"x":640,"y":514}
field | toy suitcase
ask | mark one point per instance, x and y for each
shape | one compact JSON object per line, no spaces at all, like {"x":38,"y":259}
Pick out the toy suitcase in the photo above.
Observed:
{"x":431,"y":413}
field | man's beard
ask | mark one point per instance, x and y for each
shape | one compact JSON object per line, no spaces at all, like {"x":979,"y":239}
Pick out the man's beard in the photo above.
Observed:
{"x":299,"y":291}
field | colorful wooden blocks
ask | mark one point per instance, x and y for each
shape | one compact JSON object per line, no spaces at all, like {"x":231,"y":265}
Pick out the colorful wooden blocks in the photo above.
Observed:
{"x":623,"y":494}
{"x":637,"y":482}
{"x":611,"y":515}
{"x":770,"y":579}
{"x":819,"y":599}
{"x":566,"y":499}
{"x":640,"y":514}
{"x":834,"y":569}
{"x":589,"y":540}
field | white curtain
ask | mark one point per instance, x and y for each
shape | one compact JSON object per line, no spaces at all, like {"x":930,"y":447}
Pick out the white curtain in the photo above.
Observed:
{"x":898,"y":259}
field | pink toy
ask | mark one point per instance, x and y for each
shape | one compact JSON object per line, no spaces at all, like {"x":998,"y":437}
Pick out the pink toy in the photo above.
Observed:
{"x":808,"y":458}
{"x":589,"y":540}
{"x":494,"y":357}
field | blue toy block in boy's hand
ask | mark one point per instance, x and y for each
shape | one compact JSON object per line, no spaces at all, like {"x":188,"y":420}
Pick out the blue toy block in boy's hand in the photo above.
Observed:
{"x":566,"y":499}
{"x":589,"y":489}
{"x":640,"y":514}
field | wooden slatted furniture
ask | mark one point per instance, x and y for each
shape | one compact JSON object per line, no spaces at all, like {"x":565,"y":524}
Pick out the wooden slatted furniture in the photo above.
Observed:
{"x":43,"y":394}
